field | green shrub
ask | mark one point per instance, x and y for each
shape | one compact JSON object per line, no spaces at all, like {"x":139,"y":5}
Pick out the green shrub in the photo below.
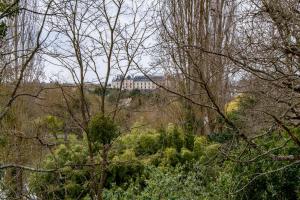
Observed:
{"x":186,"y":155}
{"x":199,"y":146}
{"x":128,"y":155}
{"x":163,"y":183}
{"x":148,"y":144}
{"x":147,"y":165}
{"x":171,"y":156}
{"x":174,"y":137}
{"x":212,"y":150}
{"x":221,"y":137}
{"x":189,"y":140}
{"x":70,"y":181}
{"x":102,"y":130}
{"x":127,"y":141}
{"x":124,"y":168}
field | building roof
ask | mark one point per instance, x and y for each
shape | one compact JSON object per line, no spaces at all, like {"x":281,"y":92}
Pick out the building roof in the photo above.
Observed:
{"x":118,"y":78}
{"x":140,"y":78}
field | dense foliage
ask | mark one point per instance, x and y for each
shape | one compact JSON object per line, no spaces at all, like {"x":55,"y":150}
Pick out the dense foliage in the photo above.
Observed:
{"x":217,"y":115}
{"x":150,"y":164}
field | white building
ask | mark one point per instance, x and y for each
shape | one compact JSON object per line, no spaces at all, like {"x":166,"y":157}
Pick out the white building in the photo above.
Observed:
{"x":138,"y":82}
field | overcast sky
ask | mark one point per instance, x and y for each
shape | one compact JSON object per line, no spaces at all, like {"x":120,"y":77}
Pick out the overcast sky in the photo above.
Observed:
{"x":59,"y":43}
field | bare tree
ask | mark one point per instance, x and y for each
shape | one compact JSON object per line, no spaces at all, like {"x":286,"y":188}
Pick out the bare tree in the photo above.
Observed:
{"x":258,"y":39}
{"x":203,"y":77}
{"x":20,"y":45}
{"x":100,"y":38}
{"x":18,"y":63}
{"x":268,"y":54}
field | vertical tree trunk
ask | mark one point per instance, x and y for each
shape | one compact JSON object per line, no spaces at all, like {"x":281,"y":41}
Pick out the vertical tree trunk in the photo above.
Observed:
{"x":201,"y":24}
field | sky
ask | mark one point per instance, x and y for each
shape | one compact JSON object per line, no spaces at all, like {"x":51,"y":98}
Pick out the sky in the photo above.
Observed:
{"x":59,"y":44}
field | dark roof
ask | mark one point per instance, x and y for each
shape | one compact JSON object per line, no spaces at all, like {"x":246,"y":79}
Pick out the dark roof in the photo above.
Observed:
{"x":144,"y":78}
{"x":157,"y":78}
{"x":118,"y":78}
{"x":140,"y":78}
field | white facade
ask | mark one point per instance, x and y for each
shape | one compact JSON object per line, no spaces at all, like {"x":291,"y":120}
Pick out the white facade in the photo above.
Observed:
{"x":138,"y":82}
{"x":145,"y":85}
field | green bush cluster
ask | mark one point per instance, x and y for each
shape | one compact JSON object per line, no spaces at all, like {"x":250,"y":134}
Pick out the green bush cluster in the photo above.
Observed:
{"x":218,"y":179}
{"x":165,"y":147}
{"x":150,"y":164}
{"x":70,"y":181}
{"x":102,"y":130}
